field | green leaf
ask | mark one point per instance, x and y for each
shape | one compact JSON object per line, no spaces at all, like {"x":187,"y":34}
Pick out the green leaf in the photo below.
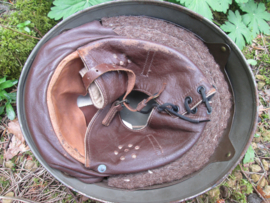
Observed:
{"x":27,"y":29}
{"x":237,"y":30}
{"x":65,"y":8}
{"x":10,"y":112}
{"x":249,"y":156}
{"x":27,"y":22}
{"x":256,"y":135}
{"x":241,"y":1}
{"x":252,"y":62}
{"x":204,"y":7}
{"x":256,"y":18}
{"x":2,"y":80}
{"x":8,"y":84}
{"x":20,"y":25}
{"x":2,"y":108}
{"x":4,"y":94}
{"x":13,"y":96}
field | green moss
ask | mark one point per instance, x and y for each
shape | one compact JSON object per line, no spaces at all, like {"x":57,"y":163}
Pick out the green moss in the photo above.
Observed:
{"x":15,"y":47}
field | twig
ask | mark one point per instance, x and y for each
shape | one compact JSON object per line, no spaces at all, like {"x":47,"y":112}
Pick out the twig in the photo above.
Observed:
{"x":38,"y":31}
{"x":70,"y":192}
{"x":265,"y":109}
{"x":265,"y":50}
{"x":17,"y":58}
{"x":19,"y":199}
{"x":19,"y":32}
{"x":251,"y":183}
{"x":9,"y":141}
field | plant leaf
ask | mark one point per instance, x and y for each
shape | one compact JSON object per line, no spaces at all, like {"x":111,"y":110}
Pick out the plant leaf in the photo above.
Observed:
{"x":8,"y":84}
{"x":4,"y":94}
{"x":27,"y":29}
{"x":20,"y":25}
{"x":256,"y":135}
{"x":10,"y":112}
{"x":249,"y":156}
{"x":252,"y":62}
{"x":237,"y":30}
{"x":27,"y":22}
{"x":241,"y":1}
{"x":203,"y":6}
{"x":2,"y":80}
{"x":2,"y":108}
{"x":65,"y":8}
{"x":12,"y":96}
{"x":256,"y":18}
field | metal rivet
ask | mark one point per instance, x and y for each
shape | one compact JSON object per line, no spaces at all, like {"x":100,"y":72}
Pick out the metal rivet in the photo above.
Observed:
{"x":223,"y":49}
{"x":111,"y":25}
{"x":150,"y":172}
{"x":126,"y":180}
{"x":134,"y":156}
{"x":137,"y":147}
{"x":130,"y":145}
{"x":121,"y":63}
{"x":120,"y":146}
{"x":115,"y":56}
{"x":102,"y":168}
{"x":126,"y":150}
{"x":115,"y":152}
{"x":122,"y":158}
{"x":228,"y":154}
{"x":129,"y":61}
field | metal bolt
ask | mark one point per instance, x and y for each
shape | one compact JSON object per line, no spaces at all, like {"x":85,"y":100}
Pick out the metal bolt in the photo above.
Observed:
{"x":102,"y":168}
{"x":228,"y":154}
{"x":223,"y":49}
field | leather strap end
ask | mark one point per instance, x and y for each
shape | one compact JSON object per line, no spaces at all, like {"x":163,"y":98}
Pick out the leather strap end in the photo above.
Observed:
{"x":111,"y":113}
{"x":141,"y":105}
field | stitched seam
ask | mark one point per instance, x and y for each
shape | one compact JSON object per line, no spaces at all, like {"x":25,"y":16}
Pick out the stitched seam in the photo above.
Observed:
{"x":88,"y":141}
{"x":152,"y":144}
{"x":155,"y":148}
{"x":114,"y":111}
{"x":154,"y":112}
{"x":158,"y":144}
{"x":188,"y":91}
{"x":149,"y":68}
{"x":145,"y":63}
{"x":104,"y":93}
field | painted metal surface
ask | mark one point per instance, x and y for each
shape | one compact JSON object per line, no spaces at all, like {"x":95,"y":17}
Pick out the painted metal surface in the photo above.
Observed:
{"x":239,"y":73}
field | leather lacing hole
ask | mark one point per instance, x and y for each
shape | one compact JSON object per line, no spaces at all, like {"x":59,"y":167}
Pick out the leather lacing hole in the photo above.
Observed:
{"x":96,"y":70}
{"x":200,"y":88}
{"x":188,"y":99}
{"x":193,"y":111}
{"x":176,"y":108}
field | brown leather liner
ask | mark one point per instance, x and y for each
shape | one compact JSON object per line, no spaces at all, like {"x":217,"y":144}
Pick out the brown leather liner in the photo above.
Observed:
{"x":68,"y":120}
{"x":36,"y":109}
